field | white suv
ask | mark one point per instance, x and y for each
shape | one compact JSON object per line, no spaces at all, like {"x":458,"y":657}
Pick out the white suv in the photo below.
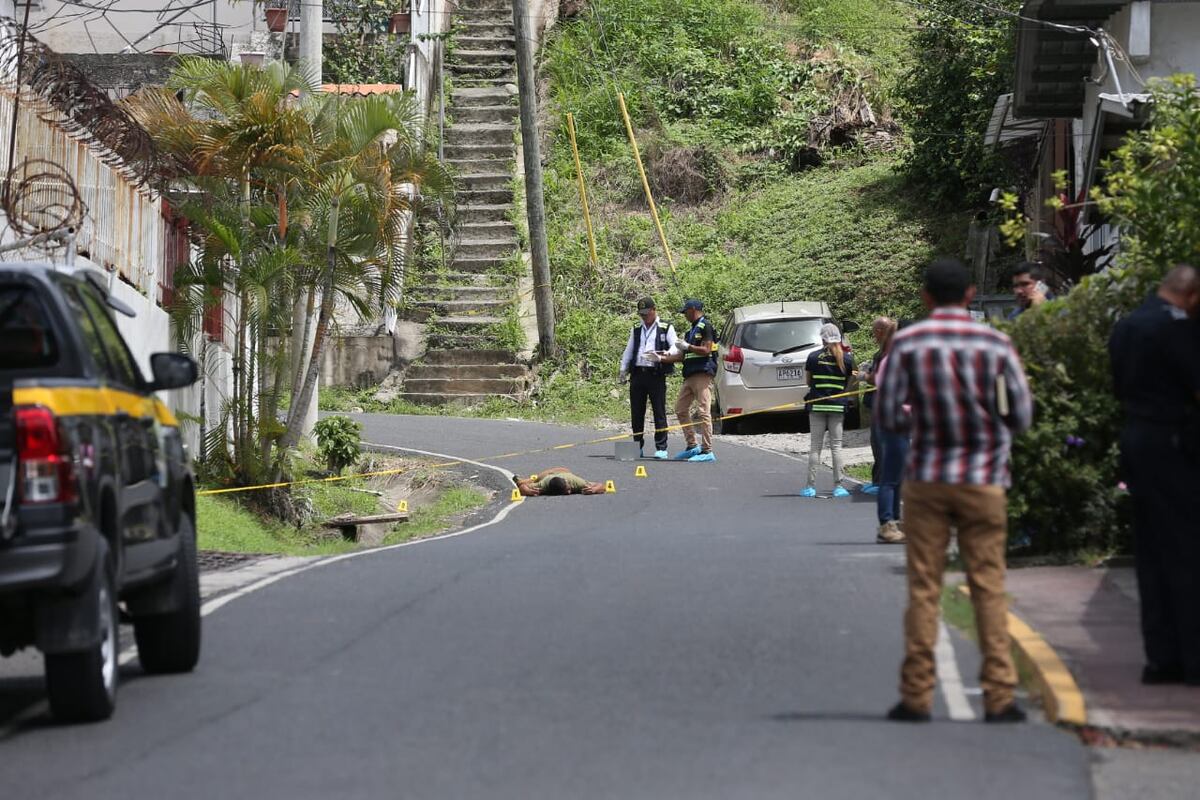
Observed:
{"x":761,"y":359}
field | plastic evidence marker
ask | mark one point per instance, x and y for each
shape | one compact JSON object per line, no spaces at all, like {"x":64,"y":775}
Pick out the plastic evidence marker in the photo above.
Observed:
{"x":517,"y":496}
{"x":640,"y":472}
{"x":610,"y":487}
{"x":403,"y":507}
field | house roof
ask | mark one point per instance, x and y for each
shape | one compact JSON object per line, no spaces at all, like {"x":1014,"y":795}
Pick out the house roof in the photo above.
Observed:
{"x":1005,"y":129}
{"x":1052,"y":62}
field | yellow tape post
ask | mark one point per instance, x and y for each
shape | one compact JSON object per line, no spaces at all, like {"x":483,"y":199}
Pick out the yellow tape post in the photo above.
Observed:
{"x":583,"y":199}
{"x":637,"y":156}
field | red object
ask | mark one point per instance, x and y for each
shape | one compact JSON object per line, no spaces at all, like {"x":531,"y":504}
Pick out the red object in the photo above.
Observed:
{"x":47,"y":475}
{"x":177,"y":250}
{"x":401,"y":22}
{"x":733,"y":359}
{"x":732,"y":411}
{"x":214,"y":319}
{"x":276,"y":19}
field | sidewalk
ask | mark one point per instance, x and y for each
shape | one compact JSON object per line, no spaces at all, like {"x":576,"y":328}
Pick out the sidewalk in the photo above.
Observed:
{"x":1090,"y":618}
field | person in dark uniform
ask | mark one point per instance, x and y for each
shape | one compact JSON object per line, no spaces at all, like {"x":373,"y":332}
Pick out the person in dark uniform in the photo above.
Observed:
{"x":1155,"y":355}
{"x":649,"y":374}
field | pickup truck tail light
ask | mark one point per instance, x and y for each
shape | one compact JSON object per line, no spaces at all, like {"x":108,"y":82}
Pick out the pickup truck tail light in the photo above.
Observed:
{"x":46,"y":471}
{"x":733,"y":359}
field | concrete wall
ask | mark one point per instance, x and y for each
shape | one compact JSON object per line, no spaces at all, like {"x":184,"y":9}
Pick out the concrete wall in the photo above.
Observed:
{"x":132,"y":20}
{"x":357,"y":361}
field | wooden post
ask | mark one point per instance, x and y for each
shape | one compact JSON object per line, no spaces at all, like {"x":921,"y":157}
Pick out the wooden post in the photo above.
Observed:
{"x":662,"y":237}
{"x":587,"y":216}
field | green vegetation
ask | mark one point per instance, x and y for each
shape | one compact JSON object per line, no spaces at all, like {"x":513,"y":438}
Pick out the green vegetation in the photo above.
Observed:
{"x":450,"y":506}
{"x":338,"y":440}
{"x":860,"y":472}
{"x":1067,"y":498}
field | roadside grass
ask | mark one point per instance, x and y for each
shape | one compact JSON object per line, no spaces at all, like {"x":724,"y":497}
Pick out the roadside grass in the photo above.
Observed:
{"x":959,"y":613}
{"x":450,"y":506}
{"x":860,"y":472}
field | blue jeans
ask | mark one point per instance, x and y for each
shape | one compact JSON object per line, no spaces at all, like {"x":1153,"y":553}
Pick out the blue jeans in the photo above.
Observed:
{"x":894,"y":447}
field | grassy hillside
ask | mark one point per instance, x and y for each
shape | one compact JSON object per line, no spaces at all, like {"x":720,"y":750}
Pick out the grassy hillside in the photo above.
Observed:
{"x":725,"y":95}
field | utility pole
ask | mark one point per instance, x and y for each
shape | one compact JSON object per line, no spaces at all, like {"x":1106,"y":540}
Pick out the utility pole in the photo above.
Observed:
{"x":312,"y":22}
{"x":535,"y":206}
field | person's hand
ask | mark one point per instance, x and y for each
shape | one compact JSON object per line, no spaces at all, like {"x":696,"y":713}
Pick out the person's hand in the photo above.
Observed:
{"x":529,"y":490}
{"x":623,"y":377}
{"x":593,"y":488}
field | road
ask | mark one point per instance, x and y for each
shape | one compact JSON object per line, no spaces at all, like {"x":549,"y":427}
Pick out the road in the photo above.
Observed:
{"x":702,"y":633}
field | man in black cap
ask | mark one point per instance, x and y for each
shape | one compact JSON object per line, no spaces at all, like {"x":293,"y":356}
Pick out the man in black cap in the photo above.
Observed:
{"x":649,"y":373}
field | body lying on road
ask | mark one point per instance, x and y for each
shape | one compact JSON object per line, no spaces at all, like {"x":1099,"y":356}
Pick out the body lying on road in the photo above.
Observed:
{"x":556,"y":481}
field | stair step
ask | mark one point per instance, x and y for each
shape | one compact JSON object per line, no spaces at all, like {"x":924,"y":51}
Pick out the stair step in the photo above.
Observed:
{"x":483,"y":114}
{"x":463,"y":385}
{"x":474,"y":152}
{"x":504,"y":71}
{"x":485,"y":182}
{"x":479,"y":166}
{"x":455,"y":308}
{"x":466,"y":357}
{"x":473,"y":215}
{"x":486,"y":231}
{"x":500,"y":59}
{"x":481,"y":96}
{"x":481,"y":266}
{"x":468,"y":324}
{"x":479,"y":133}
{"x":497,"y":248}
{"x":461,"y":340}
{"x":485,"y":27}
{"x":475,"y":5}
{"x":468,"y":44}
{"x":467,"y":371}
{"x":465,"y":279}
{"x":484,"y":197}
{"x":451,"y":398}
{"x":486,"y":16}
{"x":482,"y":293}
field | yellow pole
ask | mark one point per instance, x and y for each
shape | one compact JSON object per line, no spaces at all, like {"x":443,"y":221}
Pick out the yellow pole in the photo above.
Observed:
{"x":587,"y":216}
{"x":662,"y":237}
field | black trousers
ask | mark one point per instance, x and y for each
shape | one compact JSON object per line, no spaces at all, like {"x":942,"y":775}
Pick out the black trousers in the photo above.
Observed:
{"x":643,"y":385}
{"x":1163,"y":483}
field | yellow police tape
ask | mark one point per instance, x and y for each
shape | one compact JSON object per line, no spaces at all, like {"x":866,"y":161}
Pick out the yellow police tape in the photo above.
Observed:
{"x":602,"y":440}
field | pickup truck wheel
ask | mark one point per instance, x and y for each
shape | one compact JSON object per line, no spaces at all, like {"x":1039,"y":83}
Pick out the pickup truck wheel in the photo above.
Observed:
{"x":82,"y":687}
{"x":171,"y":642}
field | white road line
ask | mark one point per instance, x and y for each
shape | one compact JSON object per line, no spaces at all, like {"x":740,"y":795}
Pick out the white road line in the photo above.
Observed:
{"x":950,"y":678}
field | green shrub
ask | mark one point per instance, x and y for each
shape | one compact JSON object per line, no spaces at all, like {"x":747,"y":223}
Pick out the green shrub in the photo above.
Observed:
{"x":338,"y":442}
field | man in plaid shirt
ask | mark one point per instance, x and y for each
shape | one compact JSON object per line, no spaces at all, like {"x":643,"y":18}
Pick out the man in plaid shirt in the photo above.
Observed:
{"x":958,"y":387}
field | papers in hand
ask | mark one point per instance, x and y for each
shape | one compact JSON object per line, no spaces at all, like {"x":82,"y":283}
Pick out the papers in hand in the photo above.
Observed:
{"x":653,"y":357}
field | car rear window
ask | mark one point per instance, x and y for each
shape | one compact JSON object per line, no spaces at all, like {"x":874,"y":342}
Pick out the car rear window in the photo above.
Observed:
{"x":26,"y":335}
{"x":771,"y":336}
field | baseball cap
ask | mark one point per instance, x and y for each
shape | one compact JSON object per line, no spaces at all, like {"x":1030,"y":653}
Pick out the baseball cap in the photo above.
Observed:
{"x":691,"y":303}
{"x":645,"y":304}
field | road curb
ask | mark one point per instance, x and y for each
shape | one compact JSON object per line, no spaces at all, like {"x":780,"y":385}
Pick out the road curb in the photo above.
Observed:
{"x":1061,"y":697}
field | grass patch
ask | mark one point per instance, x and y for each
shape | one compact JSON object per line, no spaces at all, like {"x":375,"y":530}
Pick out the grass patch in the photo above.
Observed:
{"x":450,"y":506}
{"x":860,"y":472}
{"x":959,"y":613}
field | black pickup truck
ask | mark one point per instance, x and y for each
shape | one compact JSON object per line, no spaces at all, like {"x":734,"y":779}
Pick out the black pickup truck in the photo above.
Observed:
{"x":97,"y":500}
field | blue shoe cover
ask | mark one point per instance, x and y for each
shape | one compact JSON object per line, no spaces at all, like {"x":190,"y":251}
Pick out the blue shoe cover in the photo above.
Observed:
{"x":838,"y":491}
{"x":660,"y":454}
{"x":703,"y":457}
{"x":808,"y":492}
{"x":870,"y":488}
{"x":684,"y":455}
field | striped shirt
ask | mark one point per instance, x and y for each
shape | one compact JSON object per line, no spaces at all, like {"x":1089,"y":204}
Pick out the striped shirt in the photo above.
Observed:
{"x":947,"y":369}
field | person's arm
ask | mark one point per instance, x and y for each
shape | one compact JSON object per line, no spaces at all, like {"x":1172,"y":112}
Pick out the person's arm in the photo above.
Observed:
{"x":1020,"y":399}
{"x":893,"y":392}
{"x":705,"y":347}
{"x":527,"y":488}
{"x":672,"y":339}
{"x":593,"y":488}
{"x":625,"y":357}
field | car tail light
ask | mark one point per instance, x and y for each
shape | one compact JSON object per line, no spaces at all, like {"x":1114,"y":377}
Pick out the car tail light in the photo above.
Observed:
{"x":732,"y":411}
{"x":46,"y":472}
{"x":733,"y":359}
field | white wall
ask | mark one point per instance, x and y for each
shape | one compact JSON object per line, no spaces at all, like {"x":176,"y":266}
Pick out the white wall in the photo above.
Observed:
{"x":90,"y":33}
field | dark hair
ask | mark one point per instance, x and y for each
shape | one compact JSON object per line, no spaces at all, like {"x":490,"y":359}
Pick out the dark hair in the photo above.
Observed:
{"x":947,"y":281}
{"x":555,"y":486}
{"x":1033,"y":268}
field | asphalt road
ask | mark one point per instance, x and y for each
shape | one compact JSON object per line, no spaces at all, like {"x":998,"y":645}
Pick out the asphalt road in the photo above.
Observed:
{"x":701,"y":633}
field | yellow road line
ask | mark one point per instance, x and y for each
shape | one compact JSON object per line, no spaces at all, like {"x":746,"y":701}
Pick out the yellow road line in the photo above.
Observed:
{"x":1061,"y":696}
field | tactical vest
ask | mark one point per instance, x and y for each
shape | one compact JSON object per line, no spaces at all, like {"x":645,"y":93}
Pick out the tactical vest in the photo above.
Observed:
{"x":695,"y":363}
{"x":825,"y":379}
{"x":660,"y":344}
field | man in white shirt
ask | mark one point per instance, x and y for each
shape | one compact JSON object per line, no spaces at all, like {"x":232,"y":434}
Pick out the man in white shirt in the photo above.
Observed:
{"x":647,"y":375}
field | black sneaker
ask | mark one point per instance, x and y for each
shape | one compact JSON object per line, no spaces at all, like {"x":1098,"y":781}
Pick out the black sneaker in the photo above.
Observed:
{"x":1160,"y":676}
{"x":902,"y":713}
{"x":1010,"y":713}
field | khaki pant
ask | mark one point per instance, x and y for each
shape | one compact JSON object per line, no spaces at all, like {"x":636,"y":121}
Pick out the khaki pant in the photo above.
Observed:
{"x":979,"y":514}
{"x":696,"y":389}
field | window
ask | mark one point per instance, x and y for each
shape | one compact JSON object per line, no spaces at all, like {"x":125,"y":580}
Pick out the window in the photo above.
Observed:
{"x":771,"y":336}
{"x":26,"y":336}
{"x":99,"y":327}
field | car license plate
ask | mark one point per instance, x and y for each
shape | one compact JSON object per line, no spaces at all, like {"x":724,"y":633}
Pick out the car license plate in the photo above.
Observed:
{"x":790,"y":373}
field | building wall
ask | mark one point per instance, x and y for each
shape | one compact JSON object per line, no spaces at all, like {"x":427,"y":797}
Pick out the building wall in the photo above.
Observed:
{"x":138,"y":22}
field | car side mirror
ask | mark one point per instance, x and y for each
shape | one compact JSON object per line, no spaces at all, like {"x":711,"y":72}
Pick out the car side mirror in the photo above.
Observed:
{"x":849,"y":326}
{"x":173,"y":371}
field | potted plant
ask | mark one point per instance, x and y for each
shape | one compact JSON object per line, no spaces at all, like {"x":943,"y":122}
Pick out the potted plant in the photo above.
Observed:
{"x":277,"y":15}
{"x":401,"y":20}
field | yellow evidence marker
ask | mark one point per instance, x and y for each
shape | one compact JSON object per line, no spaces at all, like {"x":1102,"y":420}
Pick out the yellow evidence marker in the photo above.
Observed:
{"x":403,"y":507}
{"x":610,"y":487}
{"x":517,"y":496}
{"x":640,"y":472}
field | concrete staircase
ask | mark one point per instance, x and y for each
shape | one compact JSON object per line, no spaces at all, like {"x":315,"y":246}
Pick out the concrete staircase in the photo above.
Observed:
{"x":464,"y":362}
